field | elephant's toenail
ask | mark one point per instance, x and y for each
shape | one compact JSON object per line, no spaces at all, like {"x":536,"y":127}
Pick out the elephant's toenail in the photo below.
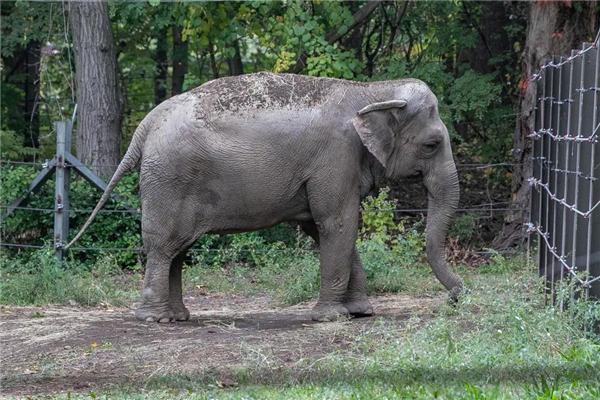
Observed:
{"x":164,"y":320}
{"x":150,"y":319}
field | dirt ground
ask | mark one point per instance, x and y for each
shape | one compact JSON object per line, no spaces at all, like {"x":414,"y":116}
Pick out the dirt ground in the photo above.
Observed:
{"x":73,"y":349}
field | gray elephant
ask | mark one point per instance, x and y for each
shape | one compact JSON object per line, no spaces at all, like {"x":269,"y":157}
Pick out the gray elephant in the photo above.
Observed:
{"x":245,"y":153}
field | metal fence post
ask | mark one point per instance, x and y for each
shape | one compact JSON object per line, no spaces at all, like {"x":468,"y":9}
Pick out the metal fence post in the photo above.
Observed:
{"x":62,"y":187}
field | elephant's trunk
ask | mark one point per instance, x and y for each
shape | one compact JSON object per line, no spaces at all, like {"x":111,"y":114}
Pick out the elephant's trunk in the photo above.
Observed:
{"x":443,"y":194}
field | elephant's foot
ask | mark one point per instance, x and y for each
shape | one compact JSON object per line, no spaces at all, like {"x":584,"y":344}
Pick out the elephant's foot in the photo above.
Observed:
{"x":180,"y":312}
{"x":154,"y":314}
{"x":359,"y":308}
{"x":328,"y":312}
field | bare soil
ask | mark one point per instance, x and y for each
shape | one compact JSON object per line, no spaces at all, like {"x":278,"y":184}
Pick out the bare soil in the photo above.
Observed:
{"x":73,"y":349}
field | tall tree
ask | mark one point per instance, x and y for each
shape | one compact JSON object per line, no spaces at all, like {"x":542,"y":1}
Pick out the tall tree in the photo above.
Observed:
{"x":553,"y":28}
{"x":160,"y":58}
{"x":25,"y":67}
{"x":180,"y":60}
{"x":236,"y":67}
{"x":100,"y":107}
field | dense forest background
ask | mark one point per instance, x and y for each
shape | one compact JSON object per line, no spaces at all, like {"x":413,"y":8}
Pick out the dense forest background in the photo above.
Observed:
{"x":118,"y":60}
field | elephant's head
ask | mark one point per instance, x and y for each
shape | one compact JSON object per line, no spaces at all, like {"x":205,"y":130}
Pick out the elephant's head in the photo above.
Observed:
{"x":406,"y":135}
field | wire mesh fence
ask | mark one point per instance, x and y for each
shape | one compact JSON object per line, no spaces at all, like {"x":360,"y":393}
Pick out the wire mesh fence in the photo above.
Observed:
{"x":565,"y":202}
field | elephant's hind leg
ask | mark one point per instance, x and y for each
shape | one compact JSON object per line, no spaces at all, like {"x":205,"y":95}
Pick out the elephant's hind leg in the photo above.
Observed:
{"x":154,"y":303}
{"x":355,"y":299}
{"x":166,"y":241}
{"x":178,"y":309}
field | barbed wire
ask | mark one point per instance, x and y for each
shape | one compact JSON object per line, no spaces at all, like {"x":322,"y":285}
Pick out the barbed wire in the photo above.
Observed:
{"x":458,"y":165}
{"x":538,"y":76}
{"x":593,"y":138}
{"x":139,"y":249}
{"x":561,"y":258}
{"x":578,"y":173}
{"x":408,"y":210}
{"x":572,"y":207}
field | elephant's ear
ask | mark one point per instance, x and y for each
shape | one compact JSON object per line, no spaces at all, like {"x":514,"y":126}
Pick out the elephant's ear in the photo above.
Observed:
{"x":373,"y":127}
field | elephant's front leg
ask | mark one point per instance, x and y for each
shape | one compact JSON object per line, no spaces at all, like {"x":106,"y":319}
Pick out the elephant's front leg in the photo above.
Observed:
{"x":355,"y":298}
{"x":337,"y":234}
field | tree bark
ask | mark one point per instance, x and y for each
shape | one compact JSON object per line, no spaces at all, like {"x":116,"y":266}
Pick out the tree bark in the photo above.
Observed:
{"x":355,"y":38}
{"x":99,"y":114}
{"x":160,"y":78}
{"x":24,"y":66}
{"x":493,"y":40}
{"x":236,"y":67}
{"x":180,"y":61}
{"x":213,"y":60}
{"x":554,"y":29}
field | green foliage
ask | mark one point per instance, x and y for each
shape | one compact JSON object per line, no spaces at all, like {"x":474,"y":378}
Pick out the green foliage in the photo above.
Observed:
{"x":499,"y":264}
{"x":121,"y":230}
{"x":390,"y":250}
{"x":374,"y":223}
{"x":42,"y":280}
{"x":463,"y":228}
{"x":12,"y":146}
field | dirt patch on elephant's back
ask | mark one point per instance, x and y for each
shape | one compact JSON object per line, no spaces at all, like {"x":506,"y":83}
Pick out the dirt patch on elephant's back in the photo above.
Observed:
{"x":62,"y":348}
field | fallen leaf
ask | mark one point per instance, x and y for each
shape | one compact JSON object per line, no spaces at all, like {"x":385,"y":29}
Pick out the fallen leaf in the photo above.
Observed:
{"x":94,"y":345}
{"x":8,"y":312}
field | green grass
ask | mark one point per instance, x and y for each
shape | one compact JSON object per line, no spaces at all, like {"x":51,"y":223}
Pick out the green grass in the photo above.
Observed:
{"x":498,"y":342}
{"x":42,"y":280}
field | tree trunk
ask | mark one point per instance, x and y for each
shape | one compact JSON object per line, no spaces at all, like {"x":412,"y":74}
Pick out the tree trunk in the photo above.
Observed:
{"x":99,"y":114}
{"x":554,"y":29}
{"x":24,"y":72}
{"x":180,"y":61}
{"x":236,"y":67}
{"x":493,"y":40}
{"x":160,"y":78}
{"x":32,"y":94}
{"x":213,"y":60}
{"x":356,"y":37}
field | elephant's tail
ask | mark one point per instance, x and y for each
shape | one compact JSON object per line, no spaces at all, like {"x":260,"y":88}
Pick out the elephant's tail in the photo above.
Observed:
{"x":129,"y":162}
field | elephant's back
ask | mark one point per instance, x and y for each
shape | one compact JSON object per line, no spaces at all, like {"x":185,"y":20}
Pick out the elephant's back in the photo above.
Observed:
{"x":265,"y":91}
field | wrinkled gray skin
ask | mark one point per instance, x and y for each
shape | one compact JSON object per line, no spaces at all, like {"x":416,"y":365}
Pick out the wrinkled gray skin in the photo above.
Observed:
{"x":249,"y":152}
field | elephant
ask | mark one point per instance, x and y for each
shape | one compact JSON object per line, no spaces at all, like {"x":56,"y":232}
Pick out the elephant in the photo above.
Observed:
{"x":248,"y":152}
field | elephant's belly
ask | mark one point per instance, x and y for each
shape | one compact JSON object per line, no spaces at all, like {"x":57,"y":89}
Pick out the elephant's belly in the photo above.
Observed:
{"x":244,"y":223}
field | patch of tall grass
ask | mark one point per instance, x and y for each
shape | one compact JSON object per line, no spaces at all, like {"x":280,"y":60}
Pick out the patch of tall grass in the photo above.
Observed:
{"x":41,"y":279}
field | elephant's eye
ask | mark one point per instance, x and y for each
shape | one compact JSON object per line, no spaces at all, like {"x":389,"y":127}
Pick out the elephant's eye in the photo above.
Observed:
{"x":430,"y":146}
